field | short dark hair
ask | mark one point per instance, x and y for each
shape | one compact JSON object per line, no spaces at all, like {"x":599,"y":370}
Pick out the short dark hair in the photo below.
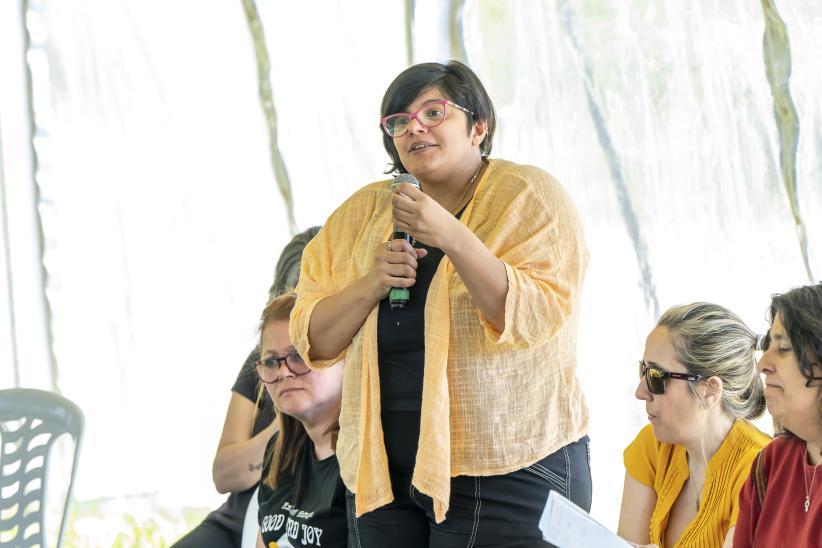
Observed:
{"x":457,"y":82}
{"x":800,"y":310}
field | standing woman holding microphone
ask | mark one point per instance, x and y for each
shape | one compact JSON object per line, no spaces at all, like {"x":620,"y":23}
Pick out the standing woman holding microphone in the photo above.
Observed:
{"x":462,"y":410}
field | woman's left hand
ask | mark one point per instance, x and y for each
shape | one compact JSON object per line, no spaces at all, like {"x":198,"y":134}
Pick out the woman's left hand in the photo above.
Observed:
{"x":418,"y":214}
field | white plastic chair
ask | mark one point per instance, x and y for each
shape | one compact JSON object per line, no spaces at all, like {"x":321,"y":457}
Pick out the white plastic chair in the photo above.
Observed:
{"x":250,"y":524}
{"x":30,"y":423}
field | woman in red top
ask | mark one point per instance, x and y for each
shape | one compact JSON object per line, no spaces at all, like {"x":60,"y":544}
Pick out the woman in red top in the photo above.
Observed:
{"x":781,"y":503}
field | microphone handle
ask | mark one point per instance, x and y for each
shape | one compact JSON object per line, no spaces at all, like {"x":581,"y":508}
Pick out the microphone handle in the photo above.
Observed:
{"x":398,"y":296}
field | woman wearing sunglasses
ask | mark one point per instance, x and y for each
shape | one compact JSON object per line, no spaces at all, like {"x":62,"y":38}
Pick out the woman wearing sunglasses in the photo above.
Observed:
{"x":462,"y":410}
{"x":684,"y":471}
{"x":301,"y":495}
{"x":781,"y":503}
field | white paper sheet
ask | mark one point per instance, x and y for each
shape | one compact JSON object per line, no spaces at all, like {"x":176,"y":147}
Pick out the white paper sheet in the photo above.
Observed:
{"x":566,"y":525}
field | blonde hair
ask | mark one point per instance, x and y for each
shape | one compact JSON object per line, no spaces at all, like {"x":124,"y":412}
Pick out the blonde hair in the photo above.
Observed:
{"x":711,"y":341}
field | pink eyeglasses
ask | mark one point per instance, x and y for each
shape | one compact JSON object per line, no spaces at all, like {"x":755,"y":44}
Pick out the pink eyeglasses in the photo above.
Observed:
{"x":431,"y":114}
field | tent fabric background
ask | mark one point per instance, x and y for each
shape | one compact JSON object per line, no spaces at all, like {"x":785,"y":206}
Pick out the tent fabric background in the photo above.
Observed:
{"x":162,"y":221}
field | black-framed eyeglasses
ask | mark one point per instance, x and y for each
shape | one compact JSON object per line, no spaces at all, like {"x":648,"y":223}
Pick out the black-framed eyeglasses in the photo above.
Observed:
{"x":655,"y":377}
{"x":431,"y":114}
{"x":269,"y":368}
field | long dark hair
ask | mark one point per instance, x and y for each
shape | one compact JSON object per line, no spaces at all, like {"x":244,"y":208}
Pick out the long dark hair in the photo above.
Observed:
{"x":800,"y":310}
{"x":457,"y":82}
{"x":287,"y":272}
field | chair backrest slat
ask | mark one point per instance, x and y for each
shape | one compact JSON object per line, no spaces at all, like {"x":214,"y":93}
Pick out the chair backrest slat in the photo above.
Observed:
{"x":30,"y":422}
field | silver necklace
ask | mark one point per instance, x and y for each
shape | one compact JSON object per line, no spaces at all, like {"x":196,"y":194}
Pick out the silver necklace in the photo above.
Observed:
{"x":698,"y":491}
{"x":453,"y":211}
{"x":805,"y":477}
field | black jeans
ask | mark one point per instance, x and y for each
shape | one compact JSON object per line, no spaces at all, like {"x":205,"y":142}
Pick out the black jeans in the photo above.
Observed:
{"x":491,"y":511}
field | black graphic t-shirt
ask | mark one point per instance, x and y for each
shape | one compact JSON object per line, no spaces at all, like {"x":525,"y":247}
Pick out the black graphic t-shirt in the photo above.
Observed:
{"x":307,"y":507}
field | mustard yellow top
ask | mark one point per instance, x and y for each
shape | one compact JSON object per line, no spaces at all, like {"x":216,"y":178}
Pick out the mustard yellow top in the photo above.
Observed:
{"x":664,"y":468}
{"x":492,"y":402}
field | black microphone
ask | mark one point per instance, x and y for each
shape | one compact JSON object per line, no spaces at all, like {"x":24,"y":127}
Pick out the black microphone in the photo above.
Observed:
{"x":398,"y":296}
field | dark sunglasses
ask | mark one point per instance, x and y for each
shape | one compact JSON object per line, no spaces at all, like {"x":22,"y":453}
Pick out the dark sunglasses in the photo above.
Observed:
{"x":655,"y":377}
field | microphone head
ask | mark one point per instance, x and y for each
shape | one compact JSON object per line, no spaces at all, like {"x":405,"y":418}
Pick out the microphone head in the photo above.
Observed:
{"x":404,"y":178}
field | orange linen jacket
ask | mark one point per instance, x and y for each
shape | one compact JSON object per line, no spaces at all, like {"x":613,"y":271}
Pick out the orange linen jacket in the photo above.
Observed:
{"x":492,"y":402}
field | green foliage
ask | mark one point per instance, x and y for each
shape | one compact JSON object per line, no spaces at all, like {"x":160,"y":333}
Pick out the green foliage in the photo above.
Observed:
{"x":140,"y":534}
{"x":127,"y":523}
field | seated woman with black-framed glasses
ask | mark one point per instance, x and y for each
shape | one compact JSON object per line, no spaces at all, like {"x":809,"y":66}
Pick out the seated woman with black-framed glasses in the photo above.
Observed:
{"x":301,"y":494}
{"x":684,"y":470}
